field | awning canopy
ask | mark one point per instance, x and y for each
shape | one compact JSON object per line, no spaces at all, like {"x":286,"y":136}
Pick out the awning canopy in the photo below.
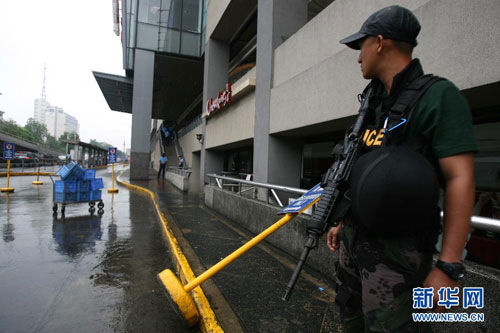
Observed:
{"x":117,"y":91}
{"x":177,"y":83}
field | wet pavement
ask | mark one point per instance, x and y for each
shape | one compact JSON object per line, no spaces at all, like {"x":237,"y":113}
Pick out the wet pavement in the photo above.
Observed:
{"x":246,"y":295}
{"x":82,"y":273}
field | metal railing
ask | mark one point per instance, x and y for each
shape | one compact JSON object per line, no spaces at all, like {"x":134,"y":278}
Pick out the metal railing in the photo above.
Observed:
{"x":477,"y":222}
{"x":238,"y":185}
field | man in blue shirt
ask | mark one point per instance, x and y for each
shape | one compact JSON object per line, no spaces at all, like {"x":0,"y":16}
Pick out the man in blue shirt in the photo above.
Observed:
{"x":163,"y":165}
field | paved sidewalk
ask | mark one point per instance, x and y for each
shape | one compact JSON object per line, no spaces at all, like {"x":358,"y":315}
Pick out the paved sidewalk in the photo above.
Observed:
{"x":246,"y":295}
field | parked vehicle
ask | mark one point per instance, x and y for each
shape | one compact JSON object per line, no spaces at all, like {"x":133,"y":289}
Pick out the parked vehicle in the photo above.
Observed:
{"x":26,"y":158}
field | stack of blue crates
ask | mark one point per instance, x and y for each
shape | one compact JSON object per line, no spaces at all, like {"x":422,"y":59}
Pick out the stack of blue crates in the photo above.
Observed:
{"x":77,"y":184}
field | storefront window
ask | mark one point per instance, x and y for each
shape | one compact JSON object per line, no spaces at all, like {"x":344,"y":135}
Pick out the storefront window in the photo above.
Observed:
{"x":238,"y":162}
{"x":316,"y":159}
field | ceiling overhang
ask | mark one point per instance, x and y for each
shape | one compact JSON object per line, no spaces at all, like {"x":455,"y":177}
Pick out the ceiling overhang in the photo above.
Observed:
{"x":117,"y":91}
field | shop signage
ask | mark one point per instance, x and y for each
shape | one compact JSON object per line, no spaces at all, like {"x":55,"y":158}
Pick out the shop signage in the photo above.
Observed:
{"x":223,"y":98}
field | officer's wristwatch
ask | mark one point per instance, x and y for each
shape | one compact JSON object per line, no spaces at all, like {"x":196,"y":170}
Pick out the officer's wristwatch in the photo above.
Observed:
{"x":454,"y":270}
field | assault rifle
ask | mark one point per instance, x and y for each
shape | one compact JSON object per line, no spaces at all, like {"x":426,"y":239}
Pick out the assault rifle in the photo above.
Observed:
{"x":329,"y":210}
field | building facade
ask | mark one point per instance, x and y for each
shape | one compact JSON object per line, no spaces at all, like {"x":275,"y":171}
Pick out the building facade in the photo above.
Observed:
{"x":163,"y":61}
{"x":264,"y":88}
{"x":54,"y":117}
{"x":41,"y":106}
{"x":293,"y":86}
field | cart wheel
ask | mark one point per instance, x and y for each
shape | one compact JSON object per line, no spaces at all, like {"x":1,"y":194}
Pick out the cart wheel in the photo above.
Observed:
{"x":54,"y":208}
{"x":100,"y":211}
{"x":91,"y":210}
{"x":100,"y":205}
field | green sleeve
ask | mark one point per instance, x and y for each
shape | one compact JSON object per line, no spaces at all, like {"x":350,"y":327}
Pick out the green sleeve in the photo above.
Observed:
{"x":445,"y":120}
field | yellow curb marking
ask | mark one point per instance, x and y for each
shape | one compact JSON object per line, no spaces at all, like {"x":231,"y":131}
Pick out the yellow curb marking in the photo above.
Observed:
{"x":208,"y":320}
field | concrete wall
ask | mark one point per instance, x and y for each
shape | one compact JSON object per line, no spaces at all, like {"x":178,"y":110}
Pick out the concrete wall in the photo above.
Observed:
{"x":191,"y":148}
{"x":194,"y":179}
{"x":179,"y":181}
{"x":316,"y":79}
{"x":156,"y":153}
{"x":340,"y":19}
{"x":291,"y":238}
{"x":233,"y":123}
{"x":190,"y":144}
{"x":215,"y":9}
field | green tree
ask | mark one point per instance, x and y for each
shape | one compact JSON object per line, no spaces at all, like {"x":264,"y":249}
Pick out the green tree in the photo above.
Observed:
{"x":51,"y":142}
{"x":38,"y":130}
{"x":10,"y":127}
{"x":69,"y":136}
{"x":105,"y":145}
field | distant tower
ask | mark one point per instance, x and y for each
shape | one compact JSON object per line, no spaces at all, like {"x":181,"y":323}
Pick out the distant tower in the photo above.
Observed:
{"x":41,"y":103}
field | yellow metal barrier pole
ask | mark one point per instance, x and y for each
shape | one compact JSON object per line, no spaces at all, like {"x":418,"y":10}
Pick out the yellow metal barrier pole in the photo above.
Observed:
{"x":8,"y":188}
{"x":233,"y":256}
{"x":112,"y":189}
{"x":37,"y":181}
{"x":180,"y":297}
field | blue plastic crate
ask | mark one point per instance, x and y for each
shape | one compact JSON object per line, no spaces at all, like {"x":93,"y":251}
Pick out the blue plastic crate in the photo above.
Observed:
{"x":83,"y":186}
{"x":70,"y":171}
{"x":78,"y":171}
{"x":60,"y":185}
{"x":88,"y":174}
{"x":65,"y":170}
{"x":71,"y":186}
{"x":60,"y":197}
{"x":83,"y":196}
{"x":95,"y":195}
{"x":96,"y":184}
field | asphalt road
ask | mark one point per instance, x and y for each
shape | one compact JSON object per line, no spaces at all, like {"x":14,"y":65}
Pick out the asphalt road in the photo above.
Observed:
{"x":82,"y":273}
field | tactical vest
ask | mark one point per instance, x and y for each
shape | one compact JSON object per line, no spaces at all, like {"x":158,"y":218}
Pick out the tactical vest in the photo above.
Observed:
{"x":385,"y":130}
{"x":387,"y":124}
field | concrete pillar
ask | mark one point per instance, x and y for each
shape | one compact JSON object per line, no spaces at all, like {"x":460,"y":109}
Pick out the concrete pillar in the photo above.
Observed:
{"x":214,"y":80}
{"x":142,"y":104}
{"x":276,"y":160}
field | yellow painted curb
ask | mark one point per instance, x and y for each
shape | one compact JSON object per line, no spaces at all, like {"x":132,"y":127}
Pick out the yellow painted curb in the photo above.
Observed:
{"x":208,"y":321}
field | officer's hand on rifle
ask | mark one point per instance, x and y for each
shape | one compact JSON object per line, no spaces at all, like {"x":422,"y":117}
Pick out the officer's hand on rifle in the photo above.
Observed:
{"x":332,"y":237}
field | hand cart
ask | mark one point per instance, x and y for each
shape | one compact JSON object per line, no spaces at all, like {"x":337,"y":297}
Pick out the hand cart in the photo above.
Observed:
{"x":66,"y":197}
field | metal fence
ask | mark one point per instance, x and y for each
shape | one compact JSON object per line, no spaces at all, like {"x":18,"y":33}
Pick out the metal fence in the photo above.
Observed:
{"x":25,"y":165}
{"x":242,"y":187}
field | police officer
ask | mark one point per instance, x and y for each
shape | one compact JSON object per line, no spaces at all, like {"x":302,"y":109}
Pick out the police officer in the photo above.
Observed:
{"x":382,"y":257}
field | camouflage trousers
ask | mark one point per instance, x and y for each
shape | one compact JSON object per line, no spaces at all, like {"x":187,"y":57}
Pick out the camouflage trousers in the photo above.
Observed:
{"x":376,"y":278}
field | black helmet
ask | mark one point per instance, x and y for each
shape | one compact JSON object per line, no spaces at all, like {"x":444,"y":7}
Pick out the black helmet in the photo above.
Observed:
{"x":394,"y":191}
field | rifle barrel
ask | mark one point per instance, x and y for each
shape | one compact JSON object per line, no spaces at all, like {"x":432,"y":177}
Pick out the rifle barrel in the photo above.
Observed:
{"x":296,"y":274}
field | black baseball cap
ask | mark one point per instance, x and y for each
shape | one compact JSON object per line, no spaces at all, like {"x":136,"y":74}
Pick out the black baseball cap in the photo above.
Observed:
{"x":393,"y":22}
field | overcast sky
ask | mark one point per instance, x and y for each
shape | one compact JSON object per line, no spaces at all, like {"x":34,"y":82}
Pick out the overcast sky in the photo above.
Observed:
{"x":73,"y":38}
